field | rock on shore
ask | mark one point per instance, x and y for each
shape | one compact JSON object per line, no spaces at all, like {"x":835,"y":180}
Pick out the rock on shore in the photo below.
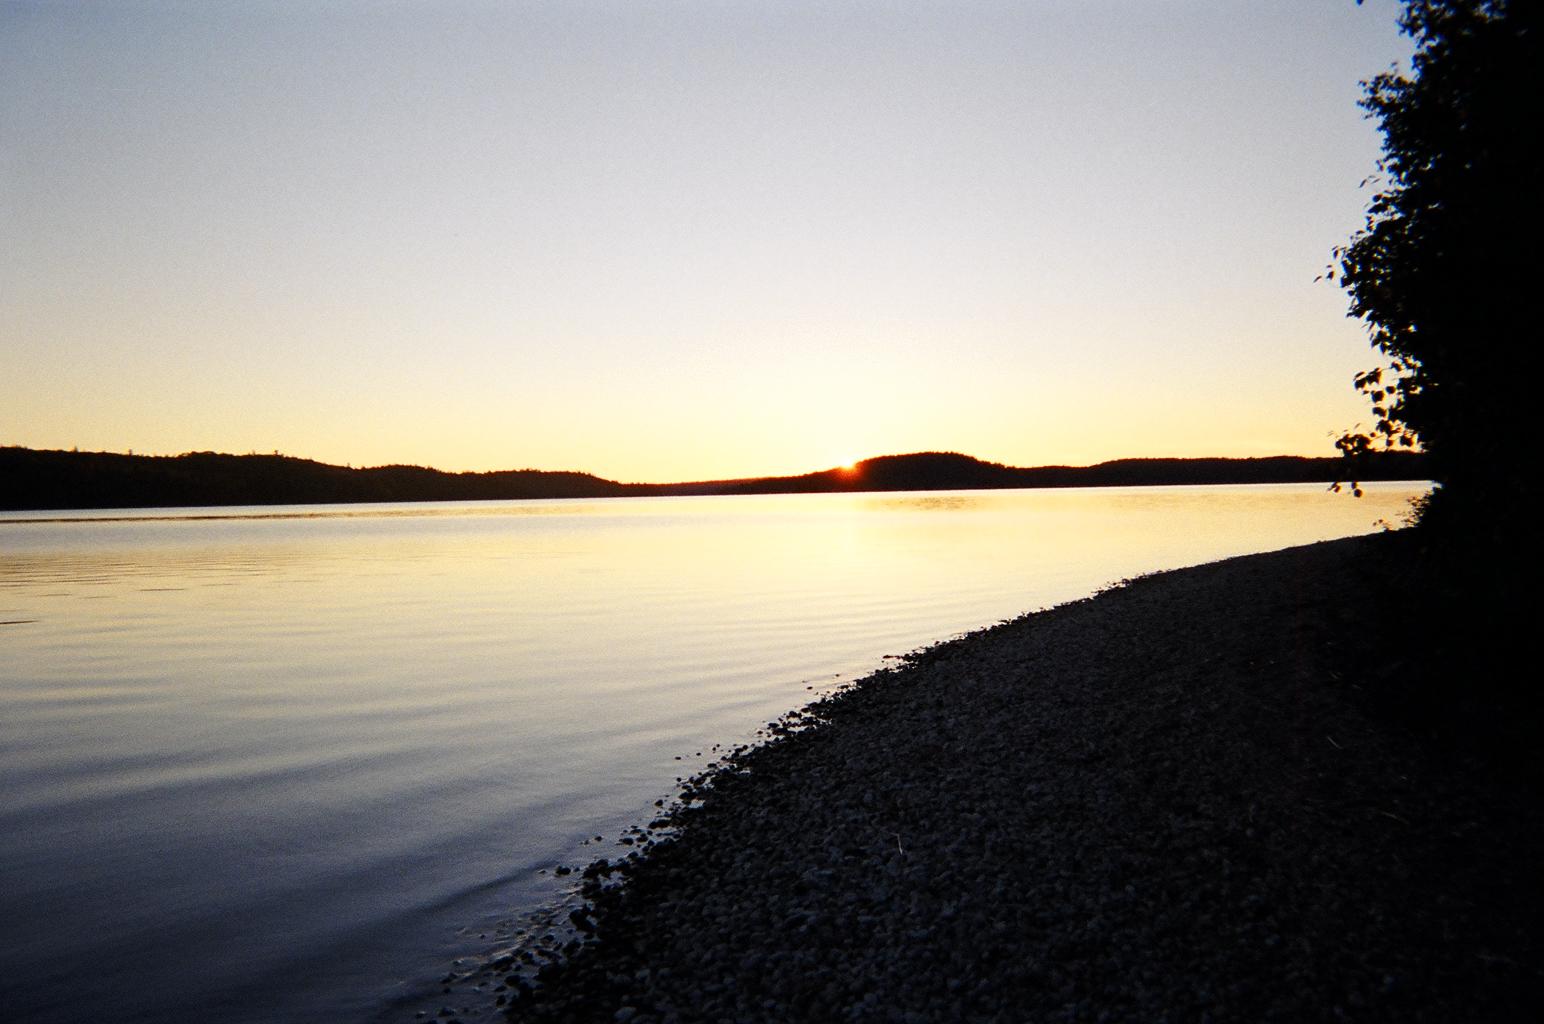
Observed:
{"x":1181,"y":800}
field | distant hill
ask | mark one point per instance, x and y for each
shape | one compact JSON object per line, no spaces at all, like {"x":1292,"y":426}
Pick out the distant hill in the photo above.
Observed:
{"x":937,"y":471}
{"x":34,"y":479}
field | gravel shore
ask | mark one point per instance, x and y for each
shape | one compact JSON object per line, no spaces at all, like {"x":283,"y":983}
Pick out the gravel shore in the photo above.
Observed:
{"x":1186,"y":799}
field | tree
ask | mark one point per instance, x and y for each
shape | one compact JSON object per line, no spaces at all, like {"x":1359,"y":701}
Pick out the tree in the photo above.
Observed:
{"x":1444,"y":271}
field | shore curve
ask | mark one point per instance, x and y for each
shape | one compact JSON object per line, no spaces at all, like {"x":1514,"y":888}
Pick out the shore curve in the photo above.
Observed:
{"x":1187,"y":798}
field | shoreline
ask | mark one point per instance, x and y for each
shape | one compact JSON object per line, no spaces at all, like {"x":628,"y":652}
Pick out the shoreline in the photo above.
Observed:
{"x":1181,"y":798}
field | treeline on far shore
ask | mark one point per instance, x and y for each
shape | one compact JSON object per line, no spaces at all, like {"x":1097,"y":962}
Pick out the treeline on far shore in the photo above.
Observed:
{"x":33,"y":479}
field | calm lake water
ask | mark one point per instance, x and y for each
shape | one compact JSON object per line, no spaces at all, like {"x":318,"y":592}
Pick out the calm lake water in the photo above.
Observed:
{"x":284,"y":764}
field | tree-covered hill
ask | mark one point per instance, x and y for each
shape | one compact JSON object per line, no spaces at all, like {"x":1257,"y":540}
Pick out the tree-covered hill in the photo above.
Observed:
{"x":33,"y":479}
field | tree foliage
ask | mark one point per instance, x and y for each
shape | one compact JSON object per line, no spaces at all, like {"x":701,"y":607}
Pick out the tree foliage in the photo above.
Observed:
{"x":1443,"y":271}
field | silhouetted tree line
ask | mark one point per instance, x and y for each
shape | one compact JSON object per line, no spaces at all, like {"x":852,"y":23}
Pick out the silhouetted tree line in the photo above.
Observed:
{"x":1444,"y":269}
{"x":67,"y":480}
{"x":1444,"y":273}
{"x":934,"y":471}
{"x":56,"y":479}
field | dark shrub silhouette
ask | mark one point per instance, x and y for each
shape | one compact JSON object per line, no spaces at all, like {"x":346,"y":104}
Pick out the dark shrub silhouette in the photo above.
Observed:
{"x":1442,"y":271}
{"x":1443,"y":274}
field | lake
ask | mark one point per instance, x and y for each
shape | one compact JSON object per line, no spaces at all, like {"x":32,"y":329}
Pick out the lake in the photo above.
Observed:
{"x":286,"y":763}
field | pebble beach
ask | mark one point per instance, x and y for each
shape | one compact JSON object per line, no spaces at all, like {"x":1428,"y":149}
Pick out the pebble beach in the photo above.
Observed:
{"x":1192,"y":797}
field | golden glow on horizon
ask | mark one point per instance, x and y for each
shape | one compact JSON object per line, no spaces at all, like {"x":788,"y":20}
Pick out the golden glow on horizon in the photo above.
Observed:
{"x":548,"y":246}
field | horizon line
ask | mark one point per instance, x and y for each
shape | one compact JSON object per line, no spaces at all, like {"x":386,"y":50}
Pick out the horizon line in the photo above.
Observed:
{"x":841,"y":467}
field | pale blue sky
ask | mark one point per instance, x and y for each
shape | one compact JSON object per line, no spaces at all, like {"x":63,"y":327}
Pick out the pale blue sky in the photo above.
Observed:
{"x":682,"y":240}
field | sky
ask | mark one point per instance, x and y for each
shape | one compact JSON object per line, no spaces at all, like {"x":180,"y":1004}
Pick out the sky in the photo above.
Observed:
{"x":683,"y":240}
